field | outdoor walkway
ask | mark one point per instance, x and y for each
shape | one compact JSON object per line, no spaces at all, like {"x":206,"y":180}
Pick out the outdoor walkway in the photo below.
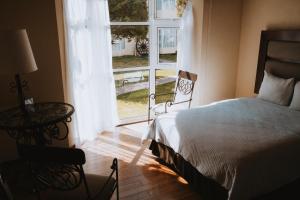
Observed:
{"x":131,"y":87}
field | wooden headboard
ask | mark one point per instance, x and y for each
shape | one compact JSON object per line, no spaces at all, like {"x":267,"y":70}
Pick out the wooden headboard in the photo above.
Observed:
{"x":279,"y":54}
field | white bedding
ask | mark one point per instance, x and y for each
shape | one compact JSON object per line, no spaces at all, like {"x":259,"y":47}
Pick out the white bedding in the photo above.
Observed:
{"x":247,"y":145}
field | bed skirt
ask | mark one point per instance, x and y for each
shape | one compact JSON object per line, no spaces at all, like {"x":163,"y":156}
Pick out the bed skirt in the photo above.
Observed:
{"x":207,"y":188}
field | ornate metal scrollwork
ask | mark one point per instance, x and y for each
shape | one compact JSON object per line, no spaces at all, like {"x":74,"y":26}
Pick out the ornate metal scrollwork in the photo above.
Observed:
{"x":57,"y":131}
{"x":49,"y":132}
{"x":69,"y":119}
{"x":168,"y":104}
{"x":14,"y":134}
{"x":57,"y":176}
{"x":40,"y":124}
{"x":13,"y":86}
{"x":185,"y":86}
{"x":152,"y":96}
{"x":24,"y":136}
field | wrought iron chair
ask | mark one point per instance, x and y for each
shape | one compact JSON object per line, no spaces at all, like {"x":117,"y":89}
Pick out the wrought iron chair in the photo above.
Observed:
{"x":5,"y":192}
{"x":181,"y":98}
{"x":57,"y":173}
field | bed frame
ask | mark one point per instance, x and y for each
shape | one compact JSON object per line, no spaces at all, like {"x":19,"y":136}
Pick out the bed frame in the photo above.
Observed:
{"x":279,"y":54}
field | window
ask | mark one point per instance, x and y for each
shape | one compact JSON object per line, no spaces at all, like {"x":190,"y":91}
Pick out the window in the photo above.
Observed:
{"x":167,"y":38}
{"x":118,"y":45}
{"x":167,"y":45}
{"x":144,"y":34}
{"x":166,"y":9}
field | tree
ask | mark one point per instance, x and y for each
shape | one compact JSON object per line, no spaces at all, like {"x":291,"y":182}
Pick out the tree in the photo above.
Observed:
{"x":129,"y":11}
{"x":134,"y":11}
{"x":180,"y":5}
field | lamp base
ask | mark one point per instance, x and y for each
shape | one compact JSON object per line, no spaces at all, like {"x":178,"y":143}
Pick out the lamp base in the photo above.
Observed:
{"x":20,"y":93}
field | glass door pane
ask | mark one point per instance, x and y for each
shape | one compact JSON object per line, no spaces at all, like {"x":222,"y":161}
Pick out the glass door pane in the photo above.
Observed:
{"x":167,"y":40}
{"x":130,"y":46}
{"x":132,"y":92}
{"x":130,"y":59}
{"x":128,"y":11}
{"x":165,"y":9}
{"x":165,"y":80}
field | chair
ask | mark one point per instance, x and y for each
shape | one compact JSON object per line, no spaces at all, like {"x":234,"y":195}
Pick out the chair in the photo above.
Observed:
{"x":4,"y":190}
{"x":181,"y":98}
{"x":57,"y":173}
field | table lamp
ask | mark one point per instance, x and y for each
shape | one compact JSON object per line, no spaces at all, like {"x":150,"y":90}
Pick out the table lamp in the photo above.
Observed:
{"x":16,"y":58}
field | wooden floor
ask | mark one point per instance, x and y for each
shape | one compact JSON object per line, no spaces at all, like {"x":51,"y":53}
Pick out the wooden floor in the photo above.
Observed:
{"x":141,"y":176}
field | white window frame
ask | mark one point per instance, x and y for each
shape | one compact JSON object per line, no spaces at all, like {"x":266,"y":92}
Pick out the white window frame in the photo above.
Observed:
{"x":154,"y":24}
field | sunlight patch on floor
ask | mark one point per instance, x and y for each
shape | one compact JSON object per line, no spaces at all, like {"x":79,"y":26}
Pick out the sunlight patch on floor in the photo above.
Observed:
{"x":125,"y":147}
{"x":138,"y":129}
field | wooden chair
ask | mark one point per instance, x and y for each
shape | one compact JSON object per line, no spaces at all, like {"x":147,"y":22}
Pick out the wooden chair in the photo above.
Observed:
{"x":57,"y":173}
{"x":181,"y":98}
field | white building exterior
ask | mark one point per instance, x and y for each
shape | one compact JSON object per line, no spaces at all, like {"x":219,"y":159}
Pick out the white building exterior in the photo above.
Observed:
{"x":123,"y":48}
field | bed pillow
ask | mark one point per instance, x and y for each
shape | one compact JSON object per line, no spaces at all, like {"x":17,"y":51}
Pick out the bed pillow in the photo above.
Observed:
{"x":296,"y":97}
{"x":276,"y":90}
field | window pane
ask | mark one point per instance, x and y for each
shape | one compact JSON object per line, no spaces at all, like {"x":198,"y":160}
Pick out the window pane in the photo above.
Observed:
{"x":167,"y":39}
{"x":166,"y":9}
{"x":132,"y":92}
{"x":165,"y":83}
{"x":130,"y":46}
{"x":128,"y":10}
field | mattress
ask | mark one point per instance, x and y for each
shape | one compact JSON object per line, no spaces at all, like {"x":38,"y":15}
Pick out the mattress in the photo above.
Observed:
{"x":247,"y":145}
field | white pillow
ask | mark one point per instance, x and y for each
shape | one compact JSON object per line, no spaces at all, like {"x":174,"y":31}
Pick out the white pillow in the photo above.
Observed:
{"x":296,"y":97}
{"x":276,"y":90}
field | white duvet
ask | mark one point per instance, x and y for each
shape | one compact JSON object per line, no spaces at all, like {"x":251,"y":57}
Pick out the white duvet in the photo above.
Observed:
{"x":247,"y":145}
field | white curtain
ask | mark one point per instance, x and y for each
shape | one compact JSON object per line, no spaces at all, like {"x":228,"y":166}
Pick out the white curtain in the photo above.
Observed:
{"x":185,"y":46}
{"x":90,"y":77}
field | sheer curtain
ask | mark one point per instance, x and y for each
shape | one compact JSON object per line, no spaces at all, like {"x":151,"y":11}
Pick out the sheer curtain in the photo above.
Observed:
{"x":89,"y":72}
{"x":185,"y":46}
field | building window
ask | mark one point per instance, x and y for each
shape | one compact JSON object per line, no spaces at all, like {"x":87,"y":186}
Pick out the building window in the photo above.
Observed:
{"x":118,"y":45}
{"x":166,"y":9}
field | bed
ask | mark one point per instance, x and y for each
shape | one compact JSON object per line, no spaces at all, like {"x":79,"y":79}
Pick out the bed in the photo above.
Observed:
{"x":244,"y":148}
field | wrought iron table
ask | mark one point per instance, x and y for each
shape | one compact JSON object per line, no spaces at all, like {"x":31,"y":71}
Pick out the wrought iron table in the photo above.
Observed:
{"x":40,"y":124}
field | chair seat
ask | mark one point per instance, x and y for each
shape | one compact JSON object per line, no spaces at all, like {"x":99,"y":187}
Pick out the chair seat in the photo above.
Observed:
{"x":158,"y":108}
{"x":95,"y":184}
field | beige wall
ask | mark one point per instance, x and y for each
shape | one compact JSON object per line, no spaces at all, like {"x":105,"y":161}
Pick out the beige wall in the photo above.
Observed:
{"x":39,"y":18}
{"x":218,"y":37}
{"x":261,"y":15}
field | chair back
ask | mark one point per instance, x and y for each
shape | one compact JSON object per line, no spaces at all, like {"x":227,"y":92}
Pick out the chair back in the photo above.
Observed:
{"x":4,"y":190}
{"x":53,"y":167}
{"x":62,"y":169}
{"x":184,"y":88}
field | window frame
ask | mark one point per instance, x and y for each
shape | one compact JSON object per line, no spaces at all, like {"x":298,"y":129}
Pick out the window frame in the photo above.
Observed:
{"x":154,"y":24}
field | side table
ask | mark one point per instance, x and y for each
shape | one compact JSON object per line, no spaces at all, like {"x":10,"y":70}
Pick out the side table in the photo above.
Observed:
{"x":40,"y":124}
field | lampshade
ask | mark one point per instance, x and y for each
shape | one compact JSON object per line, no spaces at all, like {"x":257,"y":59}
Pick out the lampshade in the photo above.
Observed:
{"x":16,"y":55}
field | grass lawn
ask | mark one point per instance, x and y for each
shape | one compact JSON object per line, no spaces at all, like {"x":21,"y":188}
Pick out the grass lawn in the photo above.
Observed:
{"x":119,"y":76}
{"x":131,"y":109}
{"x":135,"y":103}
{"x":141,"y":96}
{"x":167,"y":58}
{"x":130,"y":61}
